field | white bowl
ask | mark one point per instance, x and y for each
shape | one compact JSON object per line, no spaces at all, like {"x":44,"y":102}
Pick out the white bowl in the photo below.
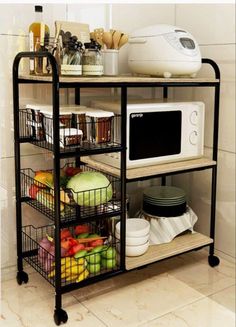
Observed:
{"x":134,"y":240}
{"x":136,"y":250}
{"x":135,"y":227}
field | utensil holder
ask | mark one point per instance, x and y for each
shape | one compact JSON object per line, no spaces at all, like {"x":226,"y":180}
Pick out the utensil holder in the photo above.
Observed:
{"x":111,"y":62}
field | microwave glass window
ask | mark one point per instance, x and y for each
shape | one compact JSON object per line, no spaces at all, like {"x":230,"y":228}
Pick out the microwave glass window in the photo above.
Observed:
{"x":154,"y":134}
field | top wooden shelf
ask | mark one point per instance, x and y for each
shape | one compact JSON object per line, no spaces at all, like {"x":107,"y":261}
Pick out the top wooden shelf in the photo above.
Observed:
{"x":119,"y":79}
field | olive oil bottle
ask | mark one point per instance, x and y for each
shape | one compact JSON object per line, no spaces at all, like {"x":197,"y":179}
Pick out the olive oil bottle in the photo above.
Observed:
{"x":35,"y":30}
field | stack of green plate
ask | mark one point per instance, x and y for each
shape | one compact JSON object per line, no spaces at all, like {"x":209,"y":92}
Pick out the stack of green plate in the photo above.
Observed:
{"x":164,"y":201}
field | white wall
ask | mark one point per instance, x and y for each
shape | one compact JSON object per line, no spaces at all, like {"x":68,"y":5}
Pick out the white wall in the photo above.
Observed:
{"x":214,"y":28}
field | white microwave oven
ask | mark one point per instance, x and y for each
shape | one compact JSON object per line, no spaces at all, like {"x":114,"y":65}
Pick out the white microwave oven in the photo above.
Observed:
{"x":158,"y":133}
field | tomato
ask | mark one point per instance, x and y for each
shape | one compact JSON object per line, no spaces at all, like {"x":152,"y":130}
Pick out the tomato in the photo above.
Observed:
{"x":71,"y":171}
{"x":68,"y":242}
{"x":75,"y":249}
{"x":79,"y":229}
{"x":65,"y":233}
{"x":33,"y":191}
{"x":96,"y":243}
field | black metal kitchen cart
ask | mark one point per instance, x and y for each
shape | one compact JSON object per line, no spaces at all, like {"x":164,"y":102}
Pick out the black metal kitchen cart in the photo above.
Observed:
{"x":28,"y":237}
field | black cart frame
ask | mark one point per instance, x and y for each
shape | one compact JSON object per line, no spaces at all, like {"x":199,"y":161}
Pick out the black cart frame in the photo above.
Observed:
{"x":108,"y":82}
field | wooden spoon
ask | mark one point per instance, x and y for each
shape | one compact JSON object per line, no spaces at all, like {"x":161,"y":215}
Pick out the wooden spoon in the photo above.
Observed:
{"x":116,"y":39}
{"x":107,"y":39}
{"x":123,"y":40}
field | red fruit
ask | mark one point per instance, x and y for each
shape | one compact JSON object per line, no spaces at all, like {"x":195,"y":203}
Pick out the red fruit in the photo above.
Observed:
{"x":79,"y":229}
{"x":71,"y":171}
{"x":65,"y":233}
{"x":33,"y":191}
{"x":75,"y":249}
{"x":96,"y":243}
{"x":68,"y":242}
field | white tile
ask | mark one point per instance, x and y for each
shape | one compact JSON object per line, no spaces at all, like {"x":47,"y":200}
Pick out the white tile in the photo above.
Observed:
{"x":129,"y":17}
{"x":16,"y":18}
{"x":226,"y":298}
{"x":225,"y":209}
{"x":133,"y":304}
{"x":208,"y":23}
{"x":95,"y":15}
{"x":198,"y":185}
{"x":224,"y":56}
{"x":203,"y":313}
{"x":32,"y":304}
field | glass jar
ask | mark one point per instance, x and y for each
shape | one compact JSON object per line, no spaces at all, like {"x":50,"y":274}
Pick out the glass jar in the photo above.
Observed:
{"x":71,"y":57}
{"x":92,"y":59}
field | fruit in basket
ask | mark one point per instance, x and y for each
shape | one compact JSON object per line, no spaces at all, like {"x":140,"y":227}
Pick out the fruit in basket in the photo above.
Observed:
{"x":33,"y":191}
{"x":45,"y":244}
{"x":72,"y":171}
{"x":79,"y":229}
{"x":93,"y":258}
{"x":110,"y":253}
{"x":65,"y":233}
{"x":64,"y":196}
{"x":94,"y":268}
{"x":80,"y":254}
{"x":108,"y":263}
{"x":90,"y":188}
{"x":68,"y":243}
{"x":43,"y":179}
{"x":83,"y":235}
{"x":96,"y":243}
{"x":47,"y":200}
{"x":82,"y":276}
{"x":74,"y":249}
{"x":99,"y":249}
{"x":70,"y":268}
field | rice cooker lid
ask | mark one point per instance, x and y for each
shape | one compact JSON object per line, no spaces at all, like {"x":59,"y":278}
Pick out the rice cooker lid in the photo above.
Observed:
{"x":156,"y":30}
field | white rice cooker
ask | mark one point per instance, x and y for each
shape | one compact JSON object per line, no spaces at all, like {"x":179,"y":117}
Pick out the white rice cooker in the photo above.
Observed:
{"x":163,"y":50}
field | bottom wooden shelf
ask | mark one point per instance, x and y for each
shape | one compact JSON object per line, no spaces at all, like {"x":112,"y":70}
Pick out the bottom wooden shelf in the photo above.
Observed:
{"x":179,"y":245}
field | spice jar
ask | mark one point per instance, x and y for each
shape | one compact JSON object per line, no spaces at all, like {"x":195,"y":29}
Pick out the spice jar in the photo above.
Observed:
{"x":92,"y":59}
{"x":71,"y":57}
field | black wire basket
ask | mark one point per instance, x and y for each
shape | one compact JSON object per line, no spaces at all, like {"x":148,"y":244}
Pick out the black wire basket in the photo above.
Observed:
{"x":77,"y":131}
{"x":76,"y":266}
{"x":38,"y":191}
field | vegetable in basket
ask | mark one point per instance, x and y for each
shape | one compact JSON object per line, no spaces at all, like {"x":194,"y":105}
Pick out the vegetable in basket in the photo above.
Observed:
{"x":90,"y":188}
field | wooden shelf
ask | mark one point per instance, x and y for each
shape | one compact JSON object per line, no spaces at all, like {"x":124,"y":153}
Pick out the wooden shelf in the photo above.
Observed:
{"x":180,"y":244}
{"x":149,"y":171}
{"x":119,"y":79}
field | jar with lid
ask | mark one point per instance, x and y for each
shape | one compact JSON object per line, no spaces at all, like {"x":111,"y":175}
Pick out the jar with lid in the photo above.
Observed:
{"x":92,"y":61}
{"x":71,"y":57}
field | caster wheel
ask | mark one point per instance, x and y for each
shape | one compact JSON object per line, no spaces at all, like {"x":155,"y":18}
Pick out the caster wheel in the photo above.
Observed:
{"x":22,"y":277}
{"x":60,"y":316}
{"x":213,"y":261}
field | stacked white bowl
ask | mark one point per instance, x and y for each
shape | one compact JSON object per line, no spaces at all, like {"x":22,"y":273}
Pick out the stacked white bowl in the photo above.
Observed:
{"x":137,"y":236}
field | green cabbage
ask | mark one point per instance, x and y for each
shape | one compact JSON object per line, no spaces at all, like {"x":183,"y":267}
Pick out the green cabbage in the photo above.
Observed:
{"x":90,"y":188}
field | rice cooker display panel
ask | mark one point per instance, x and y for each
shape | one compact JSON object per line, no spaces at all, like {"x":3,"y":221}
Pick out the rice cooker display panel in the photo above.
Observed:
{"x":187,"y":43}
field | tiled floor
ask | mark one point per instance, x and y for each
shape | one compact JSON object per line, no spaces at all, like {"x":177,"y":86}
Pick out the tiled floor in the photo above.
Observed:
{"x":179,"y":292}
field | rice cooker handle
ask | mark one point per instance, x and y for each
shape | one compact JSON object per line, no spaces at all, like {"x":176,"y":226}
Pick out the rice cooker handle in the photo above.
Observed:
{"x":137,"y":40}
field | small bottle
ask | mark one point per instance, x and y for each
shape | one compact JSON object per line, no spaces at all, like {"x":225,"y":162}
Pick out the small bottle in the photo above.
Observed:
{"x":34,"y":33}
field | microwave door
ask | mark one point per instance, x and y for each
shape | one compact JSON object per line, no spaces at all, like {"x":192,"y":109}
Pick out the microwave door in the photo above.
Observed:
{"x":154,"y":134}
